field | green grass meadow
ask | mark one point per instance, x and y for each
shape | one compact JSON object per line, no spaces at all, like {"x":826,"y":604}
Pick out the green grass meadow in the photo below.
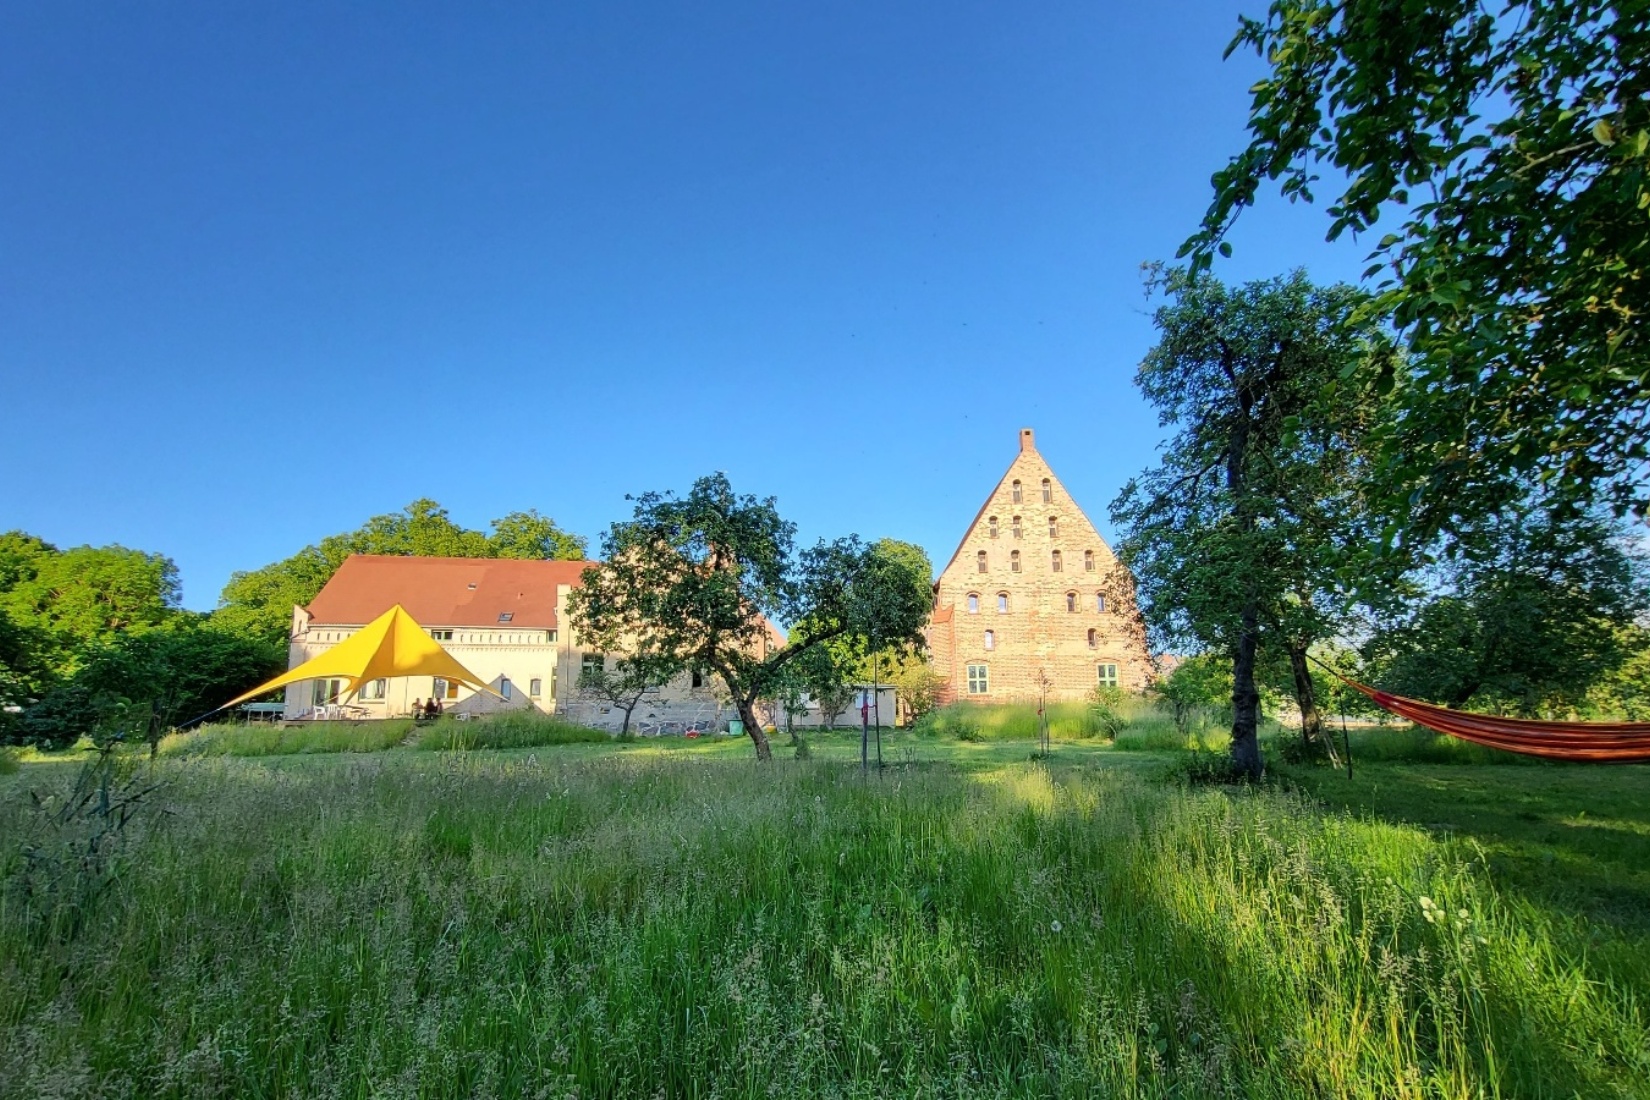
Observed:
{"x":546,"y":918}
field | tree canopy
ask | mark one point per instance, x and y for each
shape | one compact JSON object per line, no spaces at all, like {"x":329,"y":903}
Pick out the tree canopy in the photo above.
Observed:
{"x":1511,"y":149}
{"x":1238,"y":532}
{"x":259,"y":603}
{"x":702,"y":581}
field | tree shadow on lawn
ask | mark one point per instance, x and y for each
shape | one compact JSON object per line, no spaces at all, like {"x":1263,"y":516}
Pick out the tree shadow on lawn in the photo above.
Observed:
{"x":1574,"y":839}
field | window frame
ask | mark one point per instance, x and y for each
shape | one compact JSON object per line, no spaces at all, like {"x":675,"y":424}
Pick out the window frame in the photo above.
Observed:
{"x":1014,"y":561}
{"x":1002,"y":603}
{"x":980,"y":563}
{"x":972,"y":603}
{"x":1054,"y":562}
{"x":1101,"y":675}
{"x":990,"y":640}
{"x":1048,"y":491}
{"x":979,"y":679}
{"x":1018,"y":492}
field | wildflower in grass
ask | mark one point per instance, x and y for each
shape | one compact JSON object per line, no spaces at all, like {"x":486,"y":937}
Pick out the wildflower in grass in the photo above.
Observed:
{"x":1054,"y":926}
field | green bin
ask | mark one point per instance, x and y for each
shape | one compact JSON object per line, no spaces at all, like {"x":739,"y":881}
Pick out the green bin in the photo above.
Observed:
{"x":736,"y":727}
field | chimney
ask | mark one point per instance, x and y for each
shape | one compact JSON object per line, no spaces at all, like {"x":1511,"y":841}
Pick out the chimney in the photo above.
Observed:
{"x":1028,"y":440}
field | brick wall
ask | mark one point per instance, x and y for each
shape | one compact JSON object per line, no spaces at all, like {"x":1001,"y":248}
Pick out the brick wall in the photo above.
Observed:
{"x":1045,"y":629}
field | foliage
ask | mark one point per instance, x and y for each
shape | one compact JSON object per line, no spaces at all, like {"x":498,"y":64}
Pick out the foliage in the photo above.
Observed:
{"x":1535,"y":610}
{"x":143,"y":684}
{"x":259,"y":603}
{"x":1624,"y":693}
{"x":604,"y":921}
{"x":1242,"y":528}
{"x":1512,"y":146}
{"x":62,"y":601}
{"x":1201,"y":682}
{"x":700,"y":579}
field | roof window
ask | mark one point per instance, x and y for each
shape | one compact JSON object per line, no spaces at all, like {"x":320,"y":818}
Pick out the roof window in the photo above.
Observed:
{"x":506,"y":616}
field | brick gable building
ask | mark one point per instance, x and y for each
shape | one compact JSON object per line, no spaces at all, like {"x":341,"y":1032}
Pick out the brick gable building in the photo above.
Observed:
{"x":1034,"y":601}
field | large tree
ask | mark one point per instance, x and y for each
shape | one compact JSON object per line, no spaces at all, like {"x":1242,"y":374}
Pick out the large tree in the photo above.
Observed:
{"x":701,"y":580}
{"x":1236,"y":533}
{"x":1509,"y":152}
{"x":84,"y":595}
{"x":259,"y":603}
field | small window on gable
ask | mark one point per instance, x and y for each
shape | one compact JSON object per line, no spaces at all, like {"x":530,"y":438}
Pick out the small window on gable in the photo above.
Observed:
{"x":991,"y":526}
{"x":1071,"y":601}
{"x":506,"y":616}
{"x":1002,"y":603}
{"x":1088,"y":561}
{"x":973,"y":603}
{"x":504,"y":689}
{"x":1014,"y":561}
{"x":1016,"y":488}
{"x":991,"y":639}
{"x":1100,"y":602}
{"x":1048,"y":491}
{"x":1016,"y":526}
{"x":1094,"y":639}
{"x":535,"y":687}
{"x":979,"y":562}
{"x":1107,"y":675}
{"x":1053,"y":527}
{"x":1054,"y":561}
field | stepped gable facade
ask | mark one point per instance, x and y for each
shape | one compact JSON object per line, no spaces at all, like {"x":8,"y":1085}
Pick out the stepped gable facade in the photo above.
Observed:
{"x":1034,"y":603}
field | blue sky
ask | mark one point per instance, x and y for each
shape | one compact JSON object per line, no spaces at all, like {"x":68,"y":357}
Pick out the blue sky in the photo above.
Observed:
{"x":268,"y":269}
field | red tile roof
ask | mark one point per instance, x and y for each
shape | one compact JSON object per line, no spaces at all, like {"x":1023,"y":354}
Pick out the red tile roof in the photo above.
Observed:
{"x":443,"y":592}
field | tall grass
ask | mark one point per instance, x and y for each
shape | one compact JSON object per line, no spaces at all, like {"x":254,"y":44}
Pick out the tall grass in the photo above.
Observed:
{"x":277,"y":740}
{"x":433,"y":925}
{"x":1020,"y":721}
{"x":509,"y":730}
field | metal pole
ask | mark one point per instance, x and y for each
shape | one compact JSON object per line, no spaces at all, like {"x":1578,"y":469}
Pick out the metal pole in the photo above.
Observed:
{"x":876,"y":701}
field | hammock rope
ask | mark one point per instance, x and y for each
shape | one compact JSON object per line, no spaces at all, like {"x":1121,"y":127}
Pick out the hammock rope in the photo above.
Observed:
{"x":1595,"y":742}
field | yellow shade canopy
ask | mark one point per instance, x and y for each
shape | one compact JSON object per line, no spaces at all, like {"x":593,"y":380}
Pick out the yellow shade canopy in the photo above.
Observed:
{"x":391,"y":645}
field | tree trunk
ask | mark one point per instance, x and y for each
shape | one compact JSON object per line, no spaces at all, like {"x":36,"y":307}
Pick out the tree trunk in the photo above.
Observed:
{"x":624,"y":727}
{"x":1246,"y":700}
{"x":1306,"y":695}
{"x":753,"y":729}
{"x":1245,"y":697}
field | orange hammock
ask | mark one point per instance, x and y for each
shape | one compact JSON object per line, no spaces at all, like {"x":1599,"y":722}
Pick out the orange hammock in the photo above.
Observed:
{"x":1600,"y":742}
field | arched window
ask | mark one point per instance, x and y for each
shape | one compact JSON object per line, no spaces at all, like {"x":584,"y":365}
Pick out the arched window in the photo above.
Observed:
{"x":991,"y":526}
{"x":1088,"y":561}
{"x":991,"y":639}
{"x":973,"y":603}
{"x":1071,"y":601}
{"x":1054,"y":561}
{"x":1053,"y":527}
{"x":1094,"y":639}
{"x":1016,"y":488}
{"x":1014,"y":561}
{"x":979,"y":561}
{"x":1002,"y":603}
{"x":1100,"y":602}
{"x":1016,"y":526}
{"x":1048,"y":491}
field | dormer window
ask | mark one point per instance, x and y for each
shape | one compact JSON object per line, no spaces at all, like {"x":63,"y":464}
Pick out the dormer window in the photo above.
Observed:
{"x":506,"y":616}
{"x":991,"y":526}
{"x":1053,"y":527}
{"x":979,"y":562}
{"x":1088,"y":561}
{"x":1014,"y":561}
{"x":973,"y":603}
{"x":1054,"y":561}
{"x":1016,"y":491}
{"x":1048,"y":491}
